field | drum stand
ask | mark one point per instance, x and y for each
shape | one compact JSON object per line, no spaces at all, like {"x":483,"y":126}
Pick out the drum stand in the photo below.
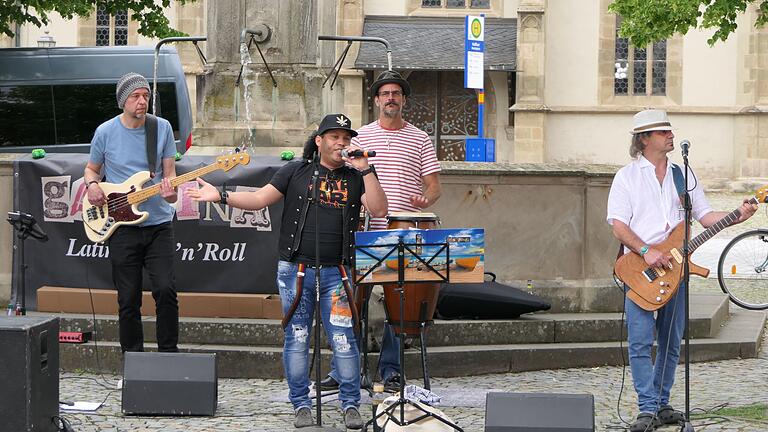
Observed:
{"x":401,"y":402}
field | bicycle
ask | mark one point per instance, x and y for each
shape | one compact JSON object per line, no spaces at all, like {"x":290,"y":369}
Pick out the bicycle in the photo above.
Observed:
{"x":742,"y":269}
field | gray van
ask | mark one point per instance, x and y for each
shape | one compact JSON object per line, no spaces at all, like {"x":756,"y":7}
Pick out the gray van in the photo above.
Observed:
{"x":54,"y":98}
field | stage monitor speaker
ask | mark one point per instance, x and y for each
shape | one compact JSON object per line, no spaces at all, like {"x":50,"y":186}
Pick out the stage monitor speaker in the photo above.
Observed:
{"x":29,"y":373}
{"x":169,"y":383}
{"x":539,"y":412}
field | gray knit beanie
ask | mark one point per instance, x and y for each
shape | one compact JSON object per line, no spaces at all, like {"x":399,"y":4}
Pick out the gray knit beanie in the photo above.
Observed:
{"x":127,"y":84}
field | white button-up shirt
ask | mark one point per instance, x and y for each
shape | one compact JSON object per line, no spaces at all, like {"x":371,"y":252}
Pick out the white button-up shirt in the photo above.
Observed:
{"x":651,"y":209}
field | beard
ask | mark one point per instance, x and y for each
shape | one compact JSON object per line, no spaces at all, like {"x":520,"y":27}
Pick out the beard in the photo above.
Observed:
{"x":392,"y":110}
{"x":139,"y":116}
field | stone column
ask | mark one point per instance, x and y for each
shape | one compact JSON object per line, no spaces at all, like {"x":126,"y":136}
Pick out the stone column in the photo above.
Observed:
{"x":350,"y":23}
{"x":190,"y":19}
{"x":530,"y":109}
{"x":751,"y":128}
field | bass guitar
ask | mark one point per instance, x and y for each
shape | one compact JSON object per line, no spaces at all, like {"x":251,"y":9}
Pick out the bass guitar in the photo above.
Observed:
{"x":652,"y":287}
{"x":123,"y":199}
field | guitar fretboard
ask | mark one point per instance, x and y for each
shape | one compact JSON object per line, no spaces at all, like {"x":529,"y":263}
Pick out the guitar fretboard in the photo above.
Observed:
{"x":147,"y":193}
{"x":710,"y":232}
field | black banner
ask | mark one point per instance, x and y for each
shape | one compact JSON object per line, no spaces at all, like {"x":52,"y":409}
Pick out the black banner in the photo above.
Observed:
{"x":218,"y":248}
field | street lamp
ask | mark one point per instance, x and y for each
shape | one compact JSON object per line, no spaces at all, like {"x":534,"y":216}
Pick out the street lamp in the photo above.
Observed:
{"x":46,"y":41}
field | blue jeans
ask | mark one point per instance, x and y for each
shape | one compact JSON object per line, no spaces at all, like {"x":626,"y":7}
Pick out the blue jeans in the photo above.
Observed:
{"x":338,"y":328}
{"x":653,"y":381}
{"x":389,"y":358}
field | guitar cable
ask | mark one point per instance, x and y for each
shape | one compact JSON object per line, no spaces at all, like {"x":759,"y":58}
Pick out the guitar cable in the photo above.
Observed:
{"x":95,"y":337}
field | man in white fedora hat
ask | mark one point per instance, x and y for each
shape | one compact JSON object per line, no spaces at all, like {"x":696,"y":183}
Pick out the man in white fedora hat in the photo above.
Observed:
{"x":643,"y":208}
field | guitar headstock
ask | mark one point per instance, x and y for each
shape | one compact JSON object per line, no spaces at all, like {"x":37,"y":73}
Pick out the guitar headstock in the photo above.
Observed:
{"x":228,"y":162}
{"x":762,"y":194}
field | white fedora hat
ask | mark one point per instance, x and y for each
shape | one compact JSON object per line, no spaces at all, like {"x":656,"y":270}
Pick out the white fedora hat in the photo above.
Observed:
{"x":651,"y":120}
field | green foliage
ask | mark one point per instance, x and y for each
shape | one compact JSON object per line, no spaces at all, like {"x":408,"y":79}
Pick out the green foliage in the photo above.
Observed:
{"x":148,"y":13}
{"x":646,"y":21}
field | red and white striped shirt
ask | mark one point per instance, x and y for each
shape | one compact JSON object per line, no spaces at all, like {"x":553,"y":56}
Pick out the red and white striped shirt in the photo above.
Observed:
{"x":403,"y":157}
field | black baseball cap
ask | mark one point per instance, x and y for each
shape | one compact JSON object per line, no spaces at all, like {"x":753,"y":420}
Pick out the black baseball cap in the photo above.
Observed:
{"x":336,"y":121}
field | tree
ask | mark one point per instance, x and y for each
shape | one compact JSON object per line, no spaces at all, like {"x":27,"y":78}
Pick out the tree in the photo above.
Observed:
{"x":646,"y":21}
{"x":148,"y":13}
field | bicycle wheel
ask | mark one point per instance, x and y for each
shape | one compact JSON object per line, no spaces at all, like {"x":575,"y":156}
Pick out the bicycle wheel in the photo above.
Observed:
{"x":743,"y":270}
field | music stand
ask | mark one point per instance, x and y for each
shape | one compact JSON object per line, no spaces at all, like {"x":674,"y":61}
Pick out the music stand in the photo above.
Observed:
{"x":25,"y":226}
{"x":401,"y":401}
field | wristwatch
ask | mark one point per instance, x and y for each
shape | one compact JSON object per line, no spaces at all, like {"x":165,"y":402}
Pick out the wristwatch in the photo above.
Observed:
{"x":368,"y":170}
{"x":224,"y":195}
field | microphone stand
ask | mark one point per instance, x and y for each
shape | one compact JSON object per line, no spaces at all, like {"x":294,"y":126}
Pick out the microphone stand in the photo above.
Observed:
{"x":25,"y":226}
{"x":687,"y":426}
{"x":318,"y":319}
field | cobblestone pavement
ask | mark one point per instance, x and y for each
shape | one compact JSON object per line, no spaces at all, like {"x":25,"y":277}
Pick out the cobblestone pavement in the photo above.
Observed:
{"x":259,"y":405}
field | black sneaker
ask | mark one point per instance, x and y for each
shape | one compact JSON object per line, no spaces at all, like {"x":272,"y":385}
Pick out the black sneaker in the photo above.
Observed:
{"x":670,"y":416}
{"x":303,"y":418}
{"x":352,"y":419}
{"x":329,"y":383}
{"x":392,"y":384}
{"x":645,"y":422}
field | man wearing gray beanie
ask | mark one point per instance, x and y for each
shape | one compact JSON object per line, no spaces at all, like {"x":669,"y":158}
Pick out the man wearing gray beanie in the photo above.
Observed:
{"x":119,"y":150}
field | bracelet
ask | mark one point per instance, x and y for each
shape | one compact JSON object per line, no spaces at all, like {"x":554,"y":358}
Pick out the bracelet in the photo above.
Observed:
{"x":87,"y":185}
{"x":367,"y":171}
{"x":224,"y":195}
{"x":644,"y":250}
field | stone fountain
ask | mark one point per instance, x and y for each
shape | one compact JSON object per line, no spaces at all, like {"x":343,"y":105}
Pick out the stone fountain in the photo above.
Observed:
{"x":263,"y":87}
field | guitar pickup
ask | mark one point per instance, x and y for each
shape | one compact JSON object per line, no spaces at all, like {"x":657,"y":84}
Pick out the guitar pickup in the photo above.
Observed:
{"x":677,"y":255}
{"x":650,"y":274}
{"x":91,"y":213}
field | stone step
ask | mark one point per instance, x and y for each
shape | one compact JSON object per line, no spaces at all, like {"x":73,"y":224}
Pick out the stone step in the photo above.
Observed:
{"x":739,"y":337}
{"x":708,"y":312}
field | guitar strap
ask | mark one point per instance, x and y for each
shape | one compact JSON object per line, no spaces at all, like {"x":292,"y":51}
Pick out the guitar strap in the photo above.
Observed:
{"x":150,"y":132}
{"x":677,"y":176}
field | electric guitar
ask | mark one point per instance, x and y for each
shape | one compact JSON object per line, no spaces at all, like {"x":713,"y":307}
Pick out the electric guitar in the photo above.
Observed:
{"x":123,"y":199}
{"x":652,"y":287}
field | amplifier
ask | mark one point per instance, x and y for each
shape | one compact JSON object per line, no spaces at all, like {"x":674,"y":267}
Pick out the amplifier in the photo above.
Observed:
{"x":170,"y":383}
{"x":29,"y":373}
{"x":539,"y":412}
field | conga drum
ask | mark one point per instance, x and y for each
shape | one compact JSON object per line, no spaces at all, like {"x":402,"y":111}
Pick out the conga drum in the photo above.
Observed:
{"x":420,"y":298}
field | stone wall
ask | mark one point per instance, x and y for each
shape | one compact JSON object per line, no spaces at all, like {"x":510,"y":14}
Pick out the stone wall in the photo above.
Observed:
{"x":543,"y":222}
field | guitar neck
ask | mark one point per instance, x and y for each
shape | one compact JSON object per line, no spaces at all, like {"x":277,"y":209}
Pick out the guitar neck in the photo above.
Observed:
{"x":710,"y":232}
{"x":147,"y":193}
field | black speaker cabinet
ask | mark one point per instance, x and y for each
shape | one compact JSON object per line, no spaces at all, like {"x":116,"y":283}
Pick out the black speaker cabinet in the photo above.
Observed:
{"x":539,"y":412}
{"x":29,"y":373}
{"x":169,"y":383}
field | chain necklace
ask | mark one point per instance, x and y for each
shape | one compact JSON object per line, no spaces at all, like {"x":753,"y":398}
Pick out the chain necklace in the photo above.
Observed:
{"x":391,"y":135}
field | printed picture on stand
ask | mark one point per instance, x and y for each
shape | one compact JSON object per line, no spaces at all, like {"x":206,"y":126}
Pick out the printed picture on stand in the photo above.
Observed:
{"x":462,"y":262}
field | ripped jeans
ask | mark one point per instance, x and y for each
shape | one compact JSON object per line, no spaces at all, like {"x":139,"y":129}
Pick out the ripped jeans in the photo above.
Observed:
{"x":338,"y":328}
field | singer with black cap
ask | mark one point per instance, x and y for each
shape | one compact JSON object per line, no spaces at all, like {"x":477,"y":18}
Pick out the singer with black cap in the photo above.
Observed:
{"x":407,"y":167}
{"x":643,"y":209}
{"x":344,"y":184}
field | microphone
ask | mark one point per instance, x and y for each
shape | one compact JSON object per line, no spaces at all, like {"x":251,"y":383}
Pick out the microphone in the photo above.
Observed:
{"x":358,"y":153}
{"x":685,"y":145}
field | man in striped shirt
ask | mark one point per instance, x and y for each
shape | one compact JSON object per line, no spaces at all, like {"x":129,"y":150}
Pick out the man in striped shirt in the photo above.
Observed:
{"x":408,"y":171}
